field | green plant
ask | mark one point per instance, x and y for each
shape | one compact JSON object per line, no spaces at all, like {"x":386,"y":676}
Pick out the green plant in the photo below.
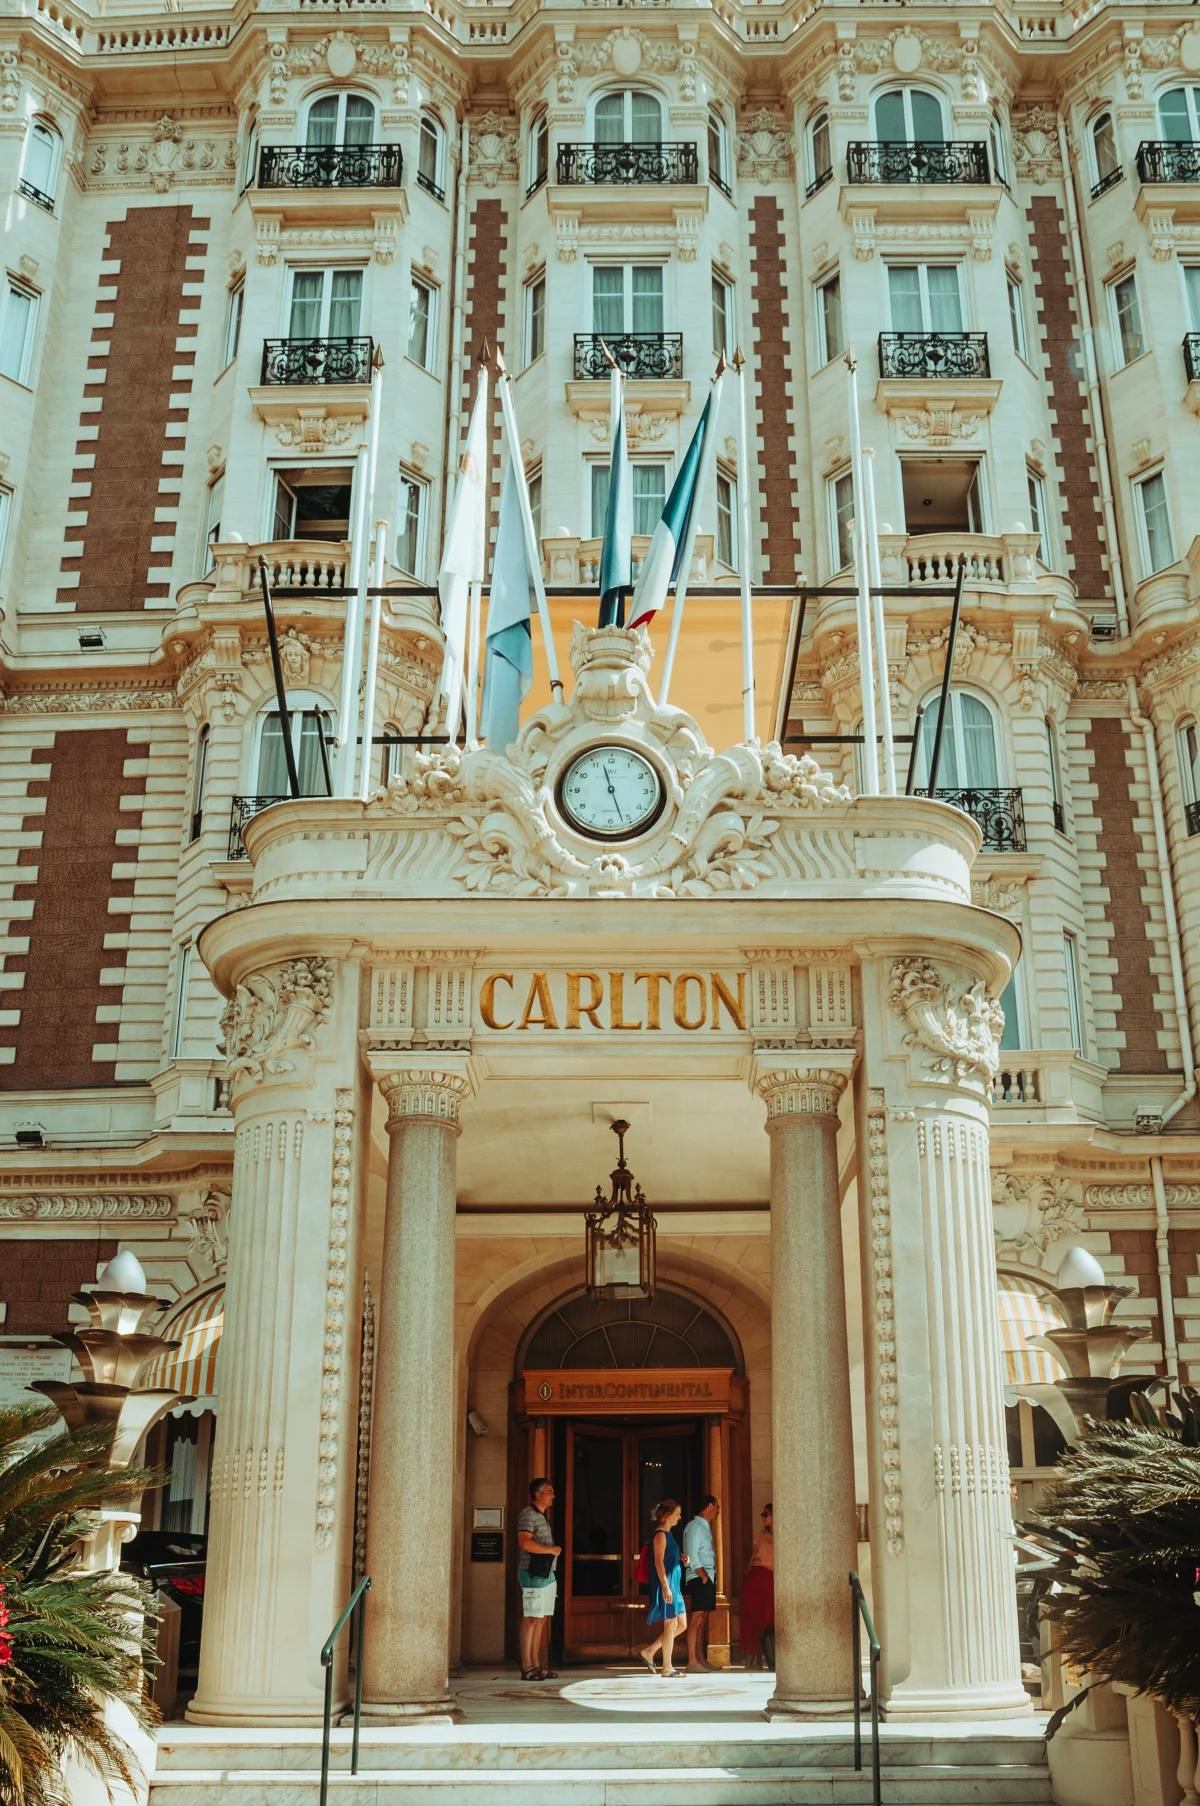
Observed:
{"x":73,"y":1641}
{"x":1121,"y":1525}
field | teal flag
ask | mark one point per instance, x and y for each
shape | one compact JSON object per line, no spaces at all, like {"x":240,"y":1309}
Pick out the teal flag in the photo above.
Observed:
{"x":616,"y":556}
{"x":508,"y":668}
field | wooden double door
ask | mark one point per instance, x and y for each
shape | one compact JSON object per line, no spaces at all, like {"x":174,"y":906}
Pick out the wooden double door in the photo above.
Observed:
{"x":615,"y":1474}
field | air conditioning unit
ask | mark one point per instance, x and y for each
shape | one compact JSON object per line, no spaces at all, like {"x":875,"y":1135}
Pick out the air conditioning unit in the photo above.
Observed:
{"x":1104,"y":627}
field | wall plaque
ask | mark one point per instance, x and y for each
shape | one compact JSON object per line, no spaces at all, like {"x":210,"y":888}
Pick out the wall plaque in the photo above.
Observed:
{"x":487,"y":1545}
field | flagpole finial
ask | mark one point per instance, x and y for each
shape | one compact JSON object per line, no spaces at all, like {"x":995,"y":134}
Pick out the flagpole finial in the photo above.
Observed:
{"x":482,"y":355}
{"x":501,"y":367}
{"x":850,"y":360}
{"x":722,"y":366}
{"x":738,"y":360}
{"x":377,"y":356}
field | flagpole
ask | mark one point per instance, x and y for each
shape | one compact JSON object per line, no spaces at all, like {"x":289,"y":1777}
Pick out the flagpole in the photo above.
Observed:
{"x":473,"y":625}
{"x":749,"y":725}
{"x":452,"y":679}
{"x":878,"y":623}
{"x":368,"y":731}
{"x":862,"y":607}
{"x":356,"y":584}
{"x":681,"y":588}
{"x":532,"y":548}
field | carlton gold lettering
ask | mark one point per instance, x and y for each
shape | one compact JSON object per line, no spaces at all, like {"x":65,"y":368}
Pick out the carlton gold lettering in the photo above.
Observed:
{"x":487,"y":998}
{"x":575,"y":1005}
{"x":654,"y":982}
{"x":682,"y":1019}
{"x":616,"y":1001}
{"x":539,"y":993}
{"x":721,"y":994}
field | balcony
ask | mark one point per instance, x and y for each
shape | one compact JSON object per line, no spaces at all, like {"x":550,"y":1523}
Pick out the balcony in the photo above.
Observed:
{"x":1191,"y":815}
{"x":918,"y":162}
{"x":244,"y":809}
{"x":999,"y":813}
{"x":330,"y":166}
{"x":631,"y":165}
{"x":940,"y":355}
{"x":1168,"y":192}
{"x":314,"y":362}
{"x":36,"y":195}
{"x":935,"y":379}
{"x":642,"y":356}
{"x":1168,"y":162}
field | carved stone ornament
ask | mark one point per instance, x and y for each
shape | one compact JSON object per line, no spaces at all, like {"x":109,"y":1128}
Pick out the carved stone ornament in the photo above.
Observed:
{"x":493,"y":150}
{"x":764,"y":147}
{"x":725,"y":830}
{"x":275,"y":1013}
{"x":800,"y":1091}
{"x":1035,"y":144}
{"x":163,"y":158}
{"x":75,"y":1207}
{"x":313,"y":431}
{"x":208,"y":1243}
{"x":428,"y":1095}
{"x":940,"y":426}
{"x":1031,"y":1211}
{"x":961,"y":1031}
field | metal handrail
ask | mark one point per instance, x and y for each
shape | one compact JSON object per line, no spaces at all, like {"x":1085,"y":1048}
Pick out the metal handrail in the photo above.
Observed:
{"x":860,"y":1616}
{"x":358,"y":1600}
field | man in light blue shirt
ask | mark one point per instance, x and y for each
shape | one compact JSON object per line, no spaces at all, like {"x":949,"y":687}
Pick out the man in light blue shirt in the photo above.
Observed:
{"x":700,"y":1555}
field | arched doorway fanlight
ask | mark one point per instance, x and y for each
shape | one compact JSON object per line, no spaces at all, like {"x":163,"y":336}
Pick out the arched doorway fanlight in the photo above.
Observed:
{"x":668,"y":1330}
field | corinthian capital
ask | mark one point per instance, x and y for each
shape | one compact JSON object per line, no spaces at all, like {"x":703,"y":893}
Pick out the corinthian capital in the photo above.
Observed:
{"x":800,"y":1090}
{"x":425,"y":1094}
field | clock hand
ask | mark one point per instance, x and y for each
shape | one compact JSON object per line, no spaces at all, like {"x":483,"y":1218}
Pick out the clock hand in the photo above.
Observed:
{"x":612,"y":792}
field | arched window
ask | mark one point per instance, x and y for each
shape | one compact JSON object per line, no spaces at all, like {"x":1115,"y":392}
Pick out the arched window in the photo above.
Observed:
{"x":270,"y":760}
{"x":998,"y":148}
{"x":341,"y":118}
{"x":630,"y":116}
{"x":1106,"y":167}
{"x":391,"y":753}
{"x":1187,"y":740}
{"x":969,"y":757}
{"x":39,"y":170}
{"x":250,"y":152}
{"x":668,"y":1330}
{"x":1179,"y":115}
{"x":537,"y":162}
{"x":431,"y":156}
{"x":820,"y":152}
{"x":718,"y":151}
{"x":909,"y":116}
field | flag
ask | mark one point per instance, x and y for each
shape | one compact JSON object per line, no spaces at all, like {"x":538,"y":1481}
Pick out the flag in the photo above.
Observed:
{"x":616,"y":556}
{"x":463,"y":552}
{"x":671,"y":539}
{"x":508,"y":664}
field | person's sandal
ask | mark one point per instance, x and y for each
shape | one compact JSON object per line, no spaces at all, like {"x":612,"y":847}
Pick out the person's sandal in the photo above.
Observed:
{"x":531,"y":1674}
{"x":547,"y":1674}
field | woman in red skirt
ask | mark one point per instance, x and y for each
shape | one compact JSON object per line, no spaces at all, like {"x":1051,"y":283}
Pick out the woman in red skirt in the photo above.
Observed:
{"x":758,"y":1600}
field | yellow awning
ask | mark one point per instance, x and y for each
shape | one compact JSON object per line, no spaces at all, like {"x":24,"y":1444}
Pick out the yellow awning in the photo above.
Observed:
{"x":192,"y":1367}
{"x":1026,"y":1310}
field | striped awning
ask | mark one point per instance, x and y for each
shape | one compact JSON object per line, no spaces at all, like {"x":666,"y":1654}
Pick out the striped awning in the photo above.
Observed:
{"x":192,"y":1367}
{"x":1026,"y":1310}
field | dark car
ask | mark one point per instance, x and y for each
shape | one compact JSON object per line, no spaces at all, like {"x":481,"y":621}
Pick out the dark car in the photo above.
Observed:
{"x":173,"y":1562}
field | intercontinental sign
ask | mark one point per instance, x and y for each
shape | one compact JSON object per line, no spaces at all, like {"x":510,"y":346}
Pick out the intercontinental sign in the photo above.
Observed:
{"x":632,"y":1001}
{"x":631,"y":1392}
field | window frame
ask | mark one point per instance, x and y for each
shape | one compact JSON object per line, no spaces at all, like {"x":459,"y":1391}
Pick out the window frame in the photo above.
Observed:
{"x":235,"y":307}
{"x":343,"y":97}
{"x":907,"y":91}
{"x":534,"y":318}
{"x":1039,"y":520}
{"x":430,"y":129}
{"x":327,"y":272}
{"x":728,"y":313}
{"x":595,"y":516}
{"x":1189,"y":762}
{"x":1014,"y":290}
{"x":954,"y":733}
{"x":183,"y":973}
{"x":998,"y":148}
{"x":717,"y":133}
{"x":978,"y":485}
{"x":537,"y":151}
{"x":47,"y":130}
{"x":17,"y":286}
{"x":7,"y":503}
{"x":214,"y":504}
{"x":627,"y":94}
{"x":627,"y":295}
{"x":833,"y":521}
{"x":1191,"y":94}
{"x":728,"y":514}
{"x":1054,"y":758}
{"x":923,"y":267}
{"x":825,"y":351}
{"x":249,"y":164}
{"x":301,"y":705}
{"x":1103,"y":179}
{"x":409,"y":480}
{"x":430,"y":289}
{"x":1126,"y":279}
{"x":199,"y":775}
{"x":534,"y":488}
{"x":818,"y":172}
{"x":1074,"y":984}
{"x":1140,"y":484}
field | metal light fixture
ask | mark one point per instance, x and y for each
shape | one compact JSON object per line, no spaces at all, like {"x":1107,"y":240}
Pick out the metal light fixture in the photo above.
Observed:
{"x":620,"y":1235}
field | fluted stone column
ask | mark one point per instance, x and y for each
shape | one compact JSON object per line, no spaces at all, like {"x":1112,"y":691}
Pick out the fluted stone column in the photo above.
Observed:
{"x":410,"y":1514}
{"x":812,"y":1446}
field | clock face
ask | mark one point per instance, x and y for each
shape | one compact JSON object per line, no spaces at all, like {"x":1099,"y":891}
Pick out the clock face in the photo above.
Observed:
{"x":611,"y":793}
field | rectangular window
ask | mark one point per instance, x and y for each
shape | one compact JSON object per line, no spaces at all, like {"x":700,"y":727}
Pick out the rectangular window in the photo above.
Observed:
{"x":6,"y":496}
{"x":627,"y":298}
{"x":1188,"y":736}
{"x":181,"y":989}
{"x":1074,"y":1012}
{"x":1154,"y":522}
{"x":325,"y":304}
{"x":1011,"y":1036}
{"x":410,"y":525}
{"x":1191,"y":290}
{"x":829,"y":319}
{"x":533,"y":483}
{"x":649,"y":495}
{"x":1127,"y":318}
{"x":233,"y":322}
{"x":925,"y":297}
{"x":199,"y":773}
{"x":1037,"y":512}
{"x":840,"y":492}
{"x":727,"y":523}
{"x":17,"y":329}
{"x":722,"y":316}
{"x":1016,"y":315}
{"x":422,"y":323}
{"x":312,"y":501}
{"x":535,"y":318}
{"x":213,"y":504}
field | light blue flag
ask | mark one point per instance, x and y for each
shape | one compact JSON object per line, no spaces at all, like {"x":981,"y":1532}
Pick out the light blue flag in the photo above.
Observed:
{"x":616,"y":556}
{"x":671,"y":538}
{"x":508,"y":669}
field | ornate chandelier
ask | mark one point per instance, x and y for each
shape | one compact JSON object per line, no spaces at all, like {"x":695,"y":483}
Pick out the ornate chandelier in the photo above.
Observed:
{"x":620,"y":1235}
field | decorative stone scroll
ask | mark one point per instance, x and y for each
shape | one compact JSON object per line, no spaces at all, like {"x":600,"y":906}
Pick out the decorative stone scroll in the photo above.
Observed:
{"x":801,"y":1091}
{"x":333,"y":1346}
{"x":67,"y":1207}
{"x":425,"y":1094}
{"x":273,"y":1014}
{"x":887,"y":1373}
{"x":961,"y":1031}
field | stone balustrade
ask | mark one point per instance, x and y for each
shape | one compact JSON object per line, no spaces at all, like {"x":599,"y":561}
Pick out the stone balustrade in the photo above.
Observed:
{"x":568,"y":560}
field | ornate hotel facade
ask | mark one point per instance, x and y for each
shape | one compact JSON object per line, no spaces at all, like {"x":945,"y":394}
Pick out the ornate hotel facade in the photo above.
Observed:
{"x":342,"y":1074}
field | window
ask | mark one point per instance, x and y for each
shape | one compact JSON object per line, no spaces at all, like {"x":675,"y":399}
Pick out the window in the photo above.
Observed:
{"x":271,"y":765}
{"x":410,"y":525}
{"x":183,"y":974}
{"x":999,"y":153}
{"x":334,"y":119}
{"x":627,"y":298}
{"x":214,"y":499}
{"x":1126,"y":317}
{"x":820,"y":152}
{"x":422,"y":323}
{"x":1016,"y":314}
{"x":840,"y":494}
{"x":1191,"y":294}
{"x":925,"y":297}
{"x":325,"y":304}
{"x":649,"y":495}
{"x":1074,"y":1012}
{"x":909,"y":116}
{"x":533,"y":484}
{"x":535,"y":318}
{"x":538,"y":154}
{"x":630,"y":117}
{"x":942,"y":495}
{"x":391,"y":753}
{"x":1179,"y":115}
{"x":1037,"y":512}
{"x":969,"y":758}
{"x":199,"y":773}
{"x":430,"y":157}
{"x":1154,"y":522}
{"x":233,"y":321}
{"x":1055,"y":765}
{"x":718,"y":151}
{"x":17,"y":330}
{"x":39,"y":170}
{"x":1012,"y":1035}
{"x":829,"y":318}
{"x":1187,"y":741}
{"x":727,"y":537}
{"x":6,"y":496}
{"x":722,"y":316}
{"x":249,"y":154}
{"x":1106,"y":169}
{"x":311,"y":502}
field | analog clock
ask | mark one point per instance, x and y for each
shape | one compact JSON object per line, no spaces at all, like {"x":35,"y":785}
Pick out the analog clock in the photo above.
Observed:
{"x":611,"y":793}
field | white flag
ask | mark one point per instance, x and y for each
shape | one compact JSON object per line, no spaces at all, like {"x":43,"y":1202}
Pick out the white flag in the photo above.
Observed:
{"x":463,"y":552}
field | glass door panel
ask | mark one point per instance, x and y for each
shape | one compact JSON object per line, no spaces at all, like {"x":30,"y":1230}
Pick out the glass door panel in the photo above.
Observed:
{"x":597,"y":1530}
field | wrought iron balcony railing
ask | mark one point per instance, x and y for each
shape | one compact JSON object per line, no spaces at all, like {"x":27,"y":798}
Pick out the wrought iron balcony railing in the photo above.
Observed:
{"x":628,"y":163}
{"x":1191,"y":355}
{"x":1107,"y":182}
{"x":1169,"y":162}
{"x":818,"y":182}
{"x":928,"y":160}
{"x":1000,"y":813}
{"x":430,"y":186}
{"x":317,"y":360}
{"x":644,"y":355}
{"x":36,"y":194}
{"x":242,"y":811}
{"x":330,"y":166}
{"x":934,"y":354}
{"x":1191,"y":813}
{"x":1060,"y":817}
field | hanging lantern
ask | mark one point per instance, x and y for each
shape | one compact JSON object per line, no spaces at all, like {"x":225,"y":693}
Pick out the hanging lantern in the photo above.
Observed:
{"x":620,"y":1235}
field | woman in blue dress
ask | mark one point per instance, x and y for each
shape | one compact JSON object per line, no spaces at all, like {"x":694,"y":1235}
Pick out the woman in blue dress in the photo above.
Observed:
{"x":666,"y":1587}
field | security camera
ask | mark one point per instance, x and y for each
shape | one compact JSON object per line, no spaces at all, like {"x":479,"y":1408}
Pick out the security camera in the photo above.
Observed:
{"x":477,"y":1423}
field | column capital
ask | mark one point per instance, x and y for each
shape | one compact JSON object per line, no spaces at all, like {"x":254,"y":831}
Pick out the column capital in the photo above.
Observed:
{"x":433,"y":1093}
{"x":802,"y":1086}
